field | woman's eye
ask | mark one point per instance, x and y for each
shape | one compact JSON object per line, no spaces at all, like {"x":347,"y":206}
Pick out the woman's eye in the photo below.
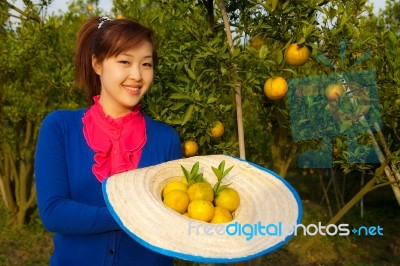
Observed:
{"x":148,"y":64}
{"x":124,"y":62}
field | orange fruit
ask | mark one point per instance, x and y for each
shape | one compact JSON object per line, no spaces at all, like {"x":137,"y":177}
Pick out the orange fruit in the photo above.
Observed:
{"x":201,"y":190}
{"x":256,"y":43}
{"x":228,"y":198}
{"x":184,"y":181}
{"x":221,"y":215}
{"x":296,"y":55}
{"x":202,"y":210}
{"x":177,"y":200}
{"x":119,"y":16}
{"x":275,"y":88}
{"x":333,"y":91}
{"x":190,"y":148}
{"x":218,"y":129}
{"x":89,"y":7}
{"x":174,"y":185}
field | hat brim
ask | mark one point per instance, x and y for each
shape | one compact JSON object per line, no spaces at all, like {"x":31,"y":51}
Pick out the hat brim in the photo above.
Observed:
{"x":269,"y":209}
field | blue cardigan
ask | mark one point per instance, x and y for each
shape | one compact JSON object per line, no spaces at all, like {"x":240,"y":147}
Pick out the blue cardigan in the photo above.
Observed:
{"x":70,"y":198}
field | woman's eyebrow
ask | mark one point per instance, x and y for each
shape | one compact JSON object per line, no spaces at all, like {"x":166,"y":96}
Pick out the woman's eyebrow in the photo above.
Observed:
{"x":146,"y":56}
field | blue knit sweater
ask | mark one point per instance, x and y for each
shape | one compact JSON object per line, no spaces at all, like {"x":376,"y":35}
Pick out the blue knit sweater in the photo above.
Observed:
{"x":70,"y":198}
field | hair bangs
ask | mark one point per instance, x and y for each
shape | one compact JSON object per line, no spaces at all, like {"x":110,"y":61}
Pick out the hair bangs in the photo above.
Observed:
{"x":126,"y":39}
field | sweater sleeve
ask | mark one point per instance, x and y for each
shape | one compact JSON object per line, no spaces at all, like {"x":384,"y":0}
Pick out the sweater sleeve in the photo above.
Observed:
{"x":60,"y":213}
{"x":176,"y":148}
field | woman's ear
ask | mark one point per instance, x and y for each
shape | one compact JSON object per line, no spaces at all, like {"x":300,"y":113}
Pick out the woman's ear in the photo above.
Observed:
{"x":96,"y":65}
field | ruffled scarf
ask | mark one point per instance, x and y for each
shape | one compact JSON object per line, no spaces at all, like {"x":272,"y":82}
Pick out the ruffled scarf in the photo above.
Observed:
{"x":117,"y":143}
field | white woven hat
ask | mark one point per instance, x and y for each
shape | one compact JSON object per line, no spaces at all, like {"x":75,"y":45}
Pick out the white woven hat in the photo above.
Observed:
{"x":269,"y":209}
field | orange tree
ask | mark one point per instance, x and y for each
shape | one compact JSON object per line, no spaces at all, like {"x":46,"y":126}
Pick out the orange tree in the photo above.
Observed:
{"x":192,"y":88}
{"x":371,"y":45}
{"x":196,"y":79}
{"x":36,"y":76}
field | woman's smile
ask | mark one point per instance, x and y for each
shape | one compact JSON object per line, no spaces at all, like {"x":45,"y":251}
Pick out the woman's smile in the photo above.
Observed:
{"x":132,"y":89}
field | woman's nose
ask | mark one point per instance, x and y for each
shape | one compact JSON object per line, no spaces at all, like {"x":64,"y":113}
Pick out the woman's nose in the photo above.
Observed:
{"x":136,"y":73}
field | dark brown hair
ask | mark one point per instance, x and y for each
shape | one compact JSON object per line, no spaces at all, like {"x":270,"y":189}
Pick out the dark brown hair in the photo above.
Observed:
{"x":111,"y":39}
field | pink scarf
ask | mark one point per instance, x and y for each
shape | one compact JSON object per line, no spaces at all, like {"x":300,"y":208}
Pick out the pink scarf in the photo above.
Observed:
{"x":117,"y":143}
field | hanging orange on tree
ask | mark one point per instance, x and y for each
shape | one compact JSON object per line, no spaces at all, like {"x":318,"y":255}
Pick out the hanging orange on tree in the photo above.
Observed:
{"x":296,"y":54}
{"x":275,"y":88}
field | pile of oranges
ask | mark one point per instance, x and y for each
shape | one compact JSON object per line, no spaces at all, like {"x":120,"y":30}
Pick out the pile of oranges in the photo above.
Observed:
{"x":194,"y":197}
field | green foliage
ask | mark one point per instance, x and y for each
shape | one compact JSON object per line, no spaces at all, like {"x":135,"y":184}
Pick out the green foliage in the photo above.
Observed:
{"x":193,"y":86}
{"x":193,"y":176}
{"x":220,"y":173}
{"x":195,"y":78}
{"x":36,"y":77}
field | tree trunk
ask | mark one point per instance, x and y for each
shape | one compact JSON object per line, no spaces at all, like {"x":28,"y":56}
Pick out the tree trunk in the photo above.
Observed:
{"x":238,"y":93}
{"x":282,"y":152}
{"x":16,"y":176}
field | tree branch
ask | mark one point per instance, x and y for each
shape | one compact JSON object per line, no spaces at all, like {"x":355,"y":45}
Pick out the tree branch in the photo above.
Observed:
{"x":21,"y":12}
{"x":9,"y":14}
{"x":209,"y":5}
{"x":238,"y":93}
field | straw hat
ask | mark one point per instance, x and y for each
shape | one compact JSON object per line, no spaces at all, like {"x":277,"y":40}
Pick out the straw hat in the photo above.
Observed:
{"x":269,"y":208}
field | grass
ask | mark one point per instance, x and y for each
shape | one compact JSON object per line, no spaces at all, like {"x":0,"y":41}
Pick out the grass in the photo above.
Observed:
{"x":380,"y":208}
{"x":32,"y":245}
{"x":23,"y":245}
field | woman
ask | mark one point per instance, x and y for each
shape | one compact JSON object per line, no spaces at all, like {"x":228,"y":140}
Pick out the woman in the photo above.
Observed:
{"x":78,"y":149}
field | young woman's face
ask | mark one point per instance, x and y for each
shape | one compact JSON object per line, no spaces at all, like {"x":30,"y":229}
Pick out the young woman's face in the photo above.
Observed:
{"x":125,"y":78}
